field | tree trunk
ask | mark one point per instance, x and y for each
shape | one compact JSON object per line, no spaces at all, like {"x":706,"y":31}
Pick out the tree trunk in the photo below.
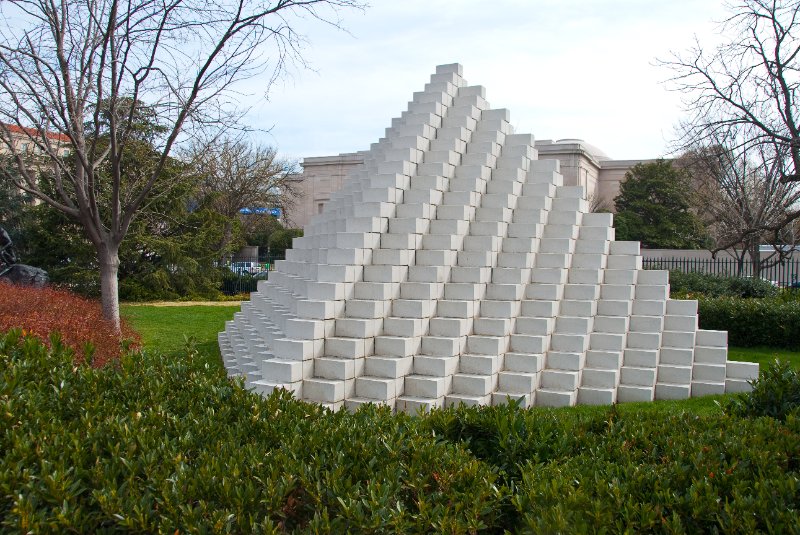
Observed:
{"x":755,"y":260}
{"x":108,"y":255}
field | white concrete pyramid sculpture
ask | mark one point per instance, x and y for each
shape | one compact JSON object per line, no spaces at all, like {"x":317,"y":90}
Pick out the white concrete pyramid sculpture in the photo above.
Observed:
{"x":455,"y":267}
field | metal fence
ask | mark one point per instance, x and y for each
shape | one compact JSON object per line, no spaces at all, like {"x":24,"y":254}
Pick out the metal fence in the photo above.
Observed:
{"x":243,"y":273}
{"x":783,"y":273}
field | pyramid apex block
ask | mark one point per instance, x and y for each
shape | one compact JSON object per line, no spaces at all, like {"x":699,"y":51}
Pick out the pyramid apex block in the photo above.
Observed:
{"x":519,"y":139}
{"x":456,"y":68}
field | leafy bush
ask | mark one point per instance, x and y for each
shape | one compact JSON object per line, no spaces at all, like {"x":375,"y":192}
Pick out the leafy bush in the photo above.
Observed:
{"x":280,"y":240}
{"x":775,"y":393}
{"x":773,"y":322}
{"x":78,"y":320}
{"x":698,"y":284}
{"x":165,"y":445}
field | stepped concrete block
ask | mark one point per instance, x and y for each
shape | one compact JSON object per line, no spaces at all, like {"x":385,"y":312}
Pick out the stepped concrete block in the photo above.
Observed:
{"x":427,"y":386}
{"x":447,"y":308}
{"x":578,"y":308}
{"x":741,"y":370}
{"x":297,"y":349}
{"x":409,"y":225}
{"x":328,"y":291}
{"x":468,"y":184}
{"x":354,"y":404}
{"x":588,"y":246}
{"x":397,"y":346}
{"x":324,"y":390}
{"x":569,"y":205}
{"x":568,"y":217}
{"x":421,"y":290}
{"x":455,"y":212}
{"x":371,"y":291}
{"x":449,"y":226}
{"x":454,"y":400}
{"x":515,"y":260}
{"x":499,"y":309}
{"x":338,"y":273}
{"x":511,"y":275}
{"x":539,"y":309}
{"x":405,"y":327}
{"x":504,"y":187}
{"x":678,"y":339}
{"x":436,"y":169}
{"x":545,"y":292}
{"x":304,"y":329}
{"x":452,"y":327}
{"x":505,"y":292}
{"x":428,"y":273}
{"x":680,"y":323}
{"x":357,"y":327}
{"x":524,"y":401}
{"x":555,"y":398}
{"x":492,"y":326}
{"x":596,"y":233}
{"x":634,"y":393}
{"x":566,"y":360}
{"x":563,"y":380}
{"x":679,"y":375}
{"x":620,"y":276}
{"x":639,"y":340}
{"x":479,"y":364}
{"x":574,"y":325}
{"x":574,"y":343}
{"x":581,"y":292}
{"x":652,"y":292}
{"x":677,"y":356}
{"x":630,"y":375}
{"x":611,"y":324}
{"x":442,"y":346}
{"x":672,"y":391}
{"x":286,"y":371}
{"x":348,"y":348}
{"x":446,"y":156}
{"x":534,"y":325}
{"x":710,"y":355}
{"x":442,"y":242}
{"x":737,"y":385}
{"x":435,"y":366}
{"x":427,"y":183}
{"x":265,"y":388}
{"x":648,"y":308}
{"x":474,"y":385}
{"x":520,"y":382}
{"x":476,"y":258}
{"x":640,"y":358}
{"x":379,"y":388}
{"x":520,"y":245}
{"x":596,"y":396}
{"x":624,"y":261}
{"x":707,"y":388}
{"x":553,"y":260}
{"x":712,"y":338}
{"x":482,"y":243}
{"x":493,"y":214}
{"x":398,"y":241}
{"x":525,"y":230}
{"x":588,"y":261}
{"x":709,"y":372}
{"x":556,"y":245}
{"x":385,"y":273}
{"x":462,"y":198}
{"x":607,"y":341}
{"x":366,"y":309}
{"x":338,"y":368}
{"x":473,"y":275}
{"x":415,"y":405}
{"x":599,"y":378}
{"x":625,"y":248}
{"x":543,"y":275}
{"x":523,"y":362}
{"x":585,"y":276}
{"x":602,"y":359}
{"x":527,"y":343}
{"x":647,"y":324}
{"x":487,"y":345}
{"x":677,"y":307}
{"x":658,"y":277}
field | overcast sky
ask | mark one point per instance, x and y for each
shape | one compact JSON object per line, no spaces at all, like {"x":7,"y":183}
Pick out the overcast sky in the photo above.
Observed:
{"x":564,"y":68}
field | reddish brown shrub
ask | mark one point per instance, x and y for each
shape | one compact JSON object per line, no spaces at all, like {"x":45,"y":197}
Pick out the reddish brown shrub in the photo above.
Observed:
{"x":39,"y":312}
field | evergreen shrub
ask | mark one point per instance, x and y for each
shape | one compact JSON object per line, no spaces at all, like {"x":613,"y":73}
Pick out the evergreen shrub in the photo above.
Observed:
{"x":773,"y":322}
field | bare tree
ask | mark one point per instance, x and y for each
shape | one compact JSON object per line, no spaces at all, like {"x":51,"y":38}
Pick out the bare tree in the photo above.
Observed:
{"x":743,"y":199}
{"x":752,"y":79}
{"x":235,"y":174}
{"x":66,"y":63}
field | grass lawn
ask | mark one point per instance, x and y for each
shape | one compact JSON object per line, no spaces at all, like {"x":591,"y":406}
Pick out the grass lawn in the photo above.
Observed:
{"x":165,"y":329}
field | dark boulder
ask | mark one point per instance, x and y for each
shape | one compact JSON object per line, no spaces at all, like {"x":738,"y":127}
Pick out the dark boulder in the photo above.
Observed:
{"x":25,"y":275}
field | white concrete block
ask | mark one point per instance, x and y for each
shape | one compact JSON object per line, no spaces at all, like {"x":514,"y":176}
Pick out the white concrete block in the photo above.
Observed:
{"x":435,"y":366}
{"x":712,"y":338}
{"x":710,"y":355}
{"x":677,"y":307}
{"x":741,"y":370}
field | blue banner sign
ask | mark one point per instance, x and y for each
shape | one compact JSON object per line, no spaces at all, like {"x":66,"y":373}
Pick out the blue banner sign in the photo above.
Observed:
{"x":261,"y":210}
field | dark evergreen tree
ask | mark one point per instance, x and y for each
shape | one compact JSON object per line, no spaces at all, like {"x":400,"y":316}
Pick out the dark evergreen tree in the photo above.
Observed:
{"x":653,"y":207}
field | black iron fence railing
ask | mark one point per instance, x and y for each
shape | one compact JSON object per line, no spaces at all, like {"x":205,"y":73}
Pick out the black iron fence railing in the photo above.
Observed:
{"x":783,"y":273}
{"x":243,"y":273}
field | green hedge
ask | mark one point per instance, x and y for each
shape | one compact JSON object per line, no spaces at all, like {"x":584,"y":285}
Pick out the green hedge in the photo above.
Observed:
{"x":753,"y":322}
{"x":715,"y":286}
{"x":160,"y":445}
